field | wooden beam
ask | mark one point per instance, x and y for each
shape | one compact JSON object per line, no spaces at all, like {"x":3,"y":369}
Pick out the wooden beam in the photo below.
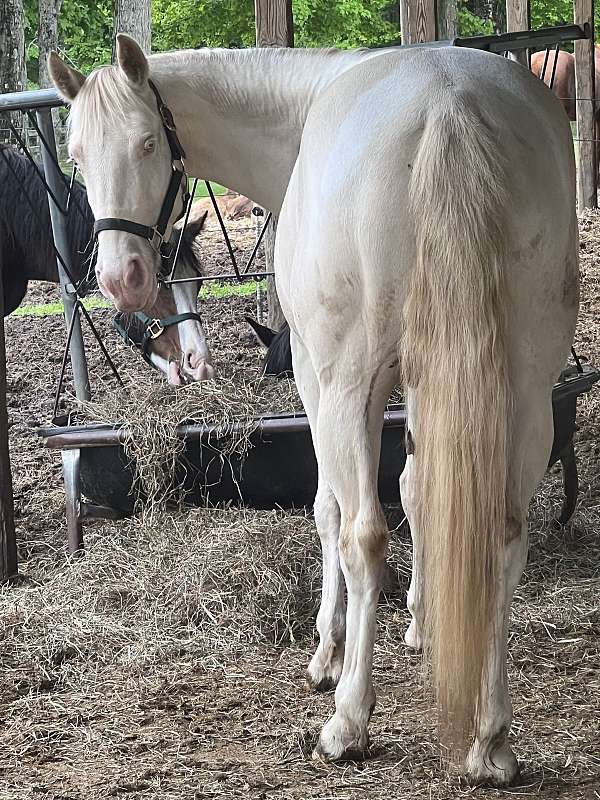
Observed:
{"x":8,"y":544}
{"x":274,"y":23}
{"x":587,"y":173}
{"x":518,"y":18}
{"x":274,"y":28}
{"x":419,"y":20}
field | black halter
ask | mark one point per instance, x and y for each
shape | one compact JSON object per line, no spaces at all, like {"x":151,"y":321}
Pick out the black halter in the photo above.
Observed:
{"x":156,"y":234}
{"x":153,"y":328}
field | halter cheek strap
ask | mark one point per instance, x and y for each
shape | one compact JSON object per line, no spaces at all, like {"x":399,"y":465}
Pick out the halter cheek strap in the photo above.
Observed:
{"x":155,"y":234}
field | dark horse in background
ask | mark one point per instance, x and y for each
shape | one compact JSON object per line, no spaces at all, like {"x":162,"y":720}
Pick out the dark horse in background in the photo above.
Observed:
{"x":27,"y":252}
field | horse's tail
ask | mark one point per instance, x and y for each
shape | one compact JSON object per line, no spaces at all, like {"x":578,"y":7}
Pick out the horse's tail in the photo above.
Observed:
{"x":454,"y":355}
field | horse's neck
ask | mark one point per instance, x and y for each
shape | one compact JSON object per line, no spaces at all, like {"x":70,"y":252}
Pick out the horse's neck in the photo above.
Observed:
{"x":240,"y":114}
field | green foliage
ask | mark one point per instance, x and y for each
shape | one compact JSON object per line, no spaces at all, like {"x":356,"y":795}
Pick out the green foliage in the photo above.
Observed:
{"x":180,"y":24}
{"x":84,"y":30}
{"x":470,"y":24}
{"x":342,"y":23}
{"x":85,"y":26}
{"x":545,"y":13}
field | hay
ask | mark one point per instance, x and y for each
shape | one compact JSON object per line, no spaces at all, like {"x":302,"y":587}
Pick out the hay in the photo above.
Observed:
{"x":233,"y":404}
{"x":151,"y":415}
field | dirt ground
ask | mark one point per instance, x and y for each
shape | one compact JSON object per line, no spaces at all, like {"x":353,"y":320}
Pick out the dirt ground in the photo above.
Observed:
{"x":169,"y":661}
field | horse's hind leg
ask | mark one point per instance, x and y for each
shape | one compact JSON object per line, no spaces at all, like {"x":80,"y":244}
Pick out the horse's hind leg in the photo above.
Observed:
{"x":490,"y":759}
{"x":349,"y":439}
{"x":325,"y":667}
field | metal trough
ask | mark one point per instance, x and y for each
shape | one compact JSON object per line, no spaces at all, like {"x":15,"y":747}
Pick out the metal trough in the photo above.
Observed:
{"x":279,"y":470}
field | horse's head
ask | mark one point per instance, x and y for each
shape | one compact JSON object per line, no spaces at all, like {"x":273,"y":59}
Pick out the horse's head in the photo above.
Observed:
{"x":170,"y":332}
{"x":131,"y":160}
{"x":278,"y":351}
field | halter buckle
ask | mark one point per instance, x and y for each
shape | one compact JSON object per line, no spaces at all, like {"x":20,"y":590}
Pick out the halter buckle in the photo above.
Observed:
{"x":157,"y":240}
{"x":154,"y":329}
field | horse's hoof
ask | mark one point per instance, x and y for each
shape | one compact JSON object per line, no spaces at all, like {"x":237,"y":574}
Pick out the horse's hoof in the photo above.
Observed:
{"x":341,"y":740}
{"x":325,"y":684}
{"x":412,"y":637}
{"x":498,"y":767}
{"x":323,"y":674}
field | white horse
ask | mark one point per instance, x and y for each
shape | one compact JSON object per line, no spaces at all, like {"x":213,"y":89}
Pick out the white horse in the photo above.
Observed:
{"x":427,"y":231}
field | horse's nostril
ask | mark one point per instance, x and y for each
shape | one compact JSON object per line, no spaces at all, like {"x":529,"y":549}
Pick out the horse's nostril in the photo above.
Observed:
{"x":133,"y":274}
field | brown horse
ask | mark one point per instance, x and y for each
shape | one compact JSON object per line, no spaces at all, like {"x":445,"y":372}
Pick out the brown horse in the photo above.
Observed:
{"x":562,"y":65}
{"x":563,"y":85}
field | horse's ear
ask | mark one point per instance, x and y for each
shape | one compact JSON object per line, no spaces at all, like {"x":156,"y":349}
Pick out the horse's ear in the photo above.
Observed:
{"x":67,"y":81}
{"x":193,"y":228}
{"x":264,"y":336}
{"x":131,"y":60}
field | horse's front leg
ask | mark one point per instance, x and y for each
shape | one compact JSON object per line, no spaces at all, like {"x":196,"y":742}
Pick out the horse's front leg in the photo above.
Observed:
{"x":325,"y":667}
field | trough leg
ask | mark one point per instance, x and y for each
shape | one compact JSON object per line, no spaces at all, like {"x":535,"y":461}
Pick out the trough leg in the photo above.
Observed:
{"x":70,"y":461}
{"x":570,"y":483}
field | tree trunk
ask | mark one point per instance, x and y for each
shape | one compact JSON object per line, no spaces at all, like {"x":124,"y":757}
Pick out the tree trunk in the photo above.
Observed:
{"x":447,"y":13}
{"x":13,"y":72}
{"x":47,"y":36}
{"x":133,"y":17}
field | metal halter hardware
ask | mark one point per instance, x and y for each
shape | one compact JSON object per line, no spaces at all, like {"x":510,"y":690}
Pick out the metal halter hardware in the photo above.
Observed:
{"x":155,"y":234}
{"x":153,"y":328}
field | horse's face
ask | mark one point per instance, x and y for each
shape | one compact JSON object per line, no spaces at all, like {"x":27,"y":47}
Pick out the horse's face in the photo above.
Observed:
{"x":118,"y":140}
{"x":181,"y":350}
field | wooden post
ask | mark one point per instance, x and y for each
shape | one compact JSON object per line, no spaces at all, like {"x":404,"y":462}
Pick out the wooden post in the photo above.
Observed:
{"x":404,"y":32}
{"x":8,"y":543}
{"x":419,"y":20}
{"x":518,"y":18}
{"x":274,"y":28}
{"x":587,"y":173}
{"x":447,"y":19}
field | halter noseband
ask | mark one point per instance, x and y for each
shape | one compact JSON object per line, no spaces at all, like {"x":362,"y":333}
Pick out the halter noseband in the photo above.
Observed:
{"x":155,"y":234}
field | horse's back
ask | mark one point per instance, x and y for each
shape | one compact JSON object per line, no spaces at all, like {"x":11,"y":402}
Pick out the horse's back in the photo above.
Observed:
{"x":348,"y":199}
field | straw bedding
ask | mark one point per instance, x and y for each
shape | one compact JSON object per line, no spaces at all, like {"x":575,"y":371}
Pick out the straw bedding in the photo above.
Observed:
{"x":169,"y":661}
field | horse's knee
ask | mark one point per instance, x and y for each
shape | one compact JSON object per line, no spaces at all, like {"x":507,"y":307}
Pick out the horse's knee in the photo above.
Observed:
{"x":327,"y":511}
{"x":363,"y":544}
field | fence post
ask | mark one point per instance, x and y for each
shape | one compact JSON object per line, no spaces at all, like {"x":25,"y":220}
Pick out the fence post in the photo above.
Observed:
{"x":274,"y":28}
{"x":8,"y":544}
{"x":419,"y":18}
{"x":518,"y":18}
{"x":59,"y":231}
{"x":585,"y":73}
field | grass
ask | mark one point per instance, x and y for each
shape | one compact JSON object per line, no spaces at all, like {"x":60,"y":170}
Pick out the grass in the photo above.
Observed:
{"x":202,"y":191}
{"x":214,"y":290}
